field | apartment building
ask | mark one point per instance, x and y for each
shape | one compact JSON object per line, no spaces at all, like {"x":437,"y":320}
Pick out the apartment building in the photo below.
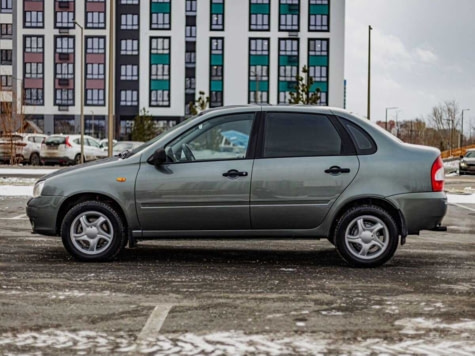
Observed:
{"x":165,"y":52}
{"x":6,"y":53}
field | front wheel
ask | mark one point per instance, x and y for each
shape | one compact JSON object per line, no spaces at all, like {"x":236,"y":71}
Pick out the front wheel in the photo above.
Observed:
{"x":35,"y":159}
{"x":93,"y":231}
{"x":366,"y":236}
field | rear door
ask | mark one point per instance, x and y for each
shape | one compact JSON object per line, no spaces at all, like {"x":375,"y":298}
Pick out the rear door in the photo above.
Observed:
{"x":305,"y":161}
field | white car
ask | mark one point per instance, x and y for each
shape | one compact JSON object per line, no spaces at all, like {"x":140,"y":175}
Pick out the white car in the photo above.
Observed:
{"x":66,"y":149}
{"x":26,"y":148}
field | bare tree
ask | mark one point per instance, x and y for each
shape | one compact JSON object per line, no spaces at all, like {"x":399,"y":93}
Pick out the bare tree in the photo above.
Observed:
{"x":445,"y":119}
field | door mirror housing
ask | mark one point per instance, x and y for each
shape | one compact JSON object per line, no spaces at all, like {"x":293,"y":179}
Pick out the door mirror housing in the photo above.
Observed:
{"x":158,"y":158}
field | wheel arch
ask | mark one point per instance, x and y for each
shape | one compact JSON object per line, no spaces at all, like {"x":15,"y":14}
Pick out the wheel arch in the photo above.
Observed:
{"x":380,"y":202}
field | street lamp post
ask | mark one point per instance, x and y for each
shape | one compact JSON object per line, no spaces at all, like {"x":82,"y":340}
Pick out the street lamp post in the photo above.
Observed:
{"x":82,"y":90}
{"x":369,"y":72}
{"x":461,"y":130}
{"x":110,"y":104}
{"x":386,"y":122}
{"x":92,"y":131}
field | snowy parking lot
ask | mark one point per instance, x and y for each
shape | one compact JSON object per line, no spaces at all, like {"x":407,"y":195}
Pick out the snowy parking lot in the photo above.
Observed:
{"x":237,"y":297}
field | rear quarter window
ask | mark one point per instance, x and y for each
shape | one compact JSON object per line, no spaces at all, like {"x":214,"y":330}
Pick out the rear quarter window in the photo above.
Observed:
{"x":364,"y":144}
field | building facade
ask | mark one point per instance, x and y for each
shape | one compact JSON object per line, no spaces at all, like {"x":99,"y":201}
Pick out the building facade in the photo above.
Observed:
{"x":166,"y":52}
{"x":6,"y":60}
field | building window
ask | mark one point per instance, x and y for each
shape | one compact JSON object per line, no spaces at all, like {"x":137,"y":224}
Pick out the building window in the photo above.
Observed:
{"x":318,"y":67}
{"x":190,"y":59}
{"x":259,"y":15}
{"x":129,"y":2}
{"x":288,"y":68}
{"x":33,"y":96}
{"x":160,"y":15}
{"x":190,"y":85}
{"x":318,"y":15}
{"x":6,"y":55}
{"x":34,"y":44}
{"x":6,"y":6}
{"x":64,"y":70}
{"x":190,"y":7}
{"x":289,"y":14}
{"x":95,"y":71}
{"x":6,"y":82}
{"x":64,"y":97}
{"x":129,"y":22}
{"x":65,"y":44}
{"x":129,"y":98}
{"x":129,"y":47}
{"x":65,"y":19}
{"x":159,"y":98}
{"x":129,"y":72}
{"x":217,"y":15}
{"x":160,"y":71}
{"x":318,"y":47}
{"x":216,"y":71}
{"x":95,"y":20}
{"x":95,"y":45}
{"x":34,"y":19}
{"x":190,"y":32}
{"x":95,"y":97}
{"x":6,"y":30}
{"x":33,"y":70}
{"x":160,"y":45}
{"x":258,"y":70}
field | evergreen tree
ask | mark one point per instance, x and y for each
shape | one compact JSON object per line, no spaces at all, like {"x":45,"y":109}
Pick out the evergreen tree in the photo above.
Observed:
{"x":302,"y":93}
{"x":200,"y":104}
{"x":144,"y":127}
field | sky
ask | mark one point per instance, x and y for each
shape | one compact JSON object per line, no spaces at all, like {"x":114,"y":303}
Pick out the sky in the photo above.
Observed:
{"x":422,"y":54}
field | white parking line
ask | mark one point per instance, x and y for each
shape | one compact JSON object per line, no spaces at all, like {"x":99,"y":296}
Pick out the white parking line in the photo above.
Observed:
{"x":154,"y":323}
{"x":19,"y":217}
{"x":462,"y":206}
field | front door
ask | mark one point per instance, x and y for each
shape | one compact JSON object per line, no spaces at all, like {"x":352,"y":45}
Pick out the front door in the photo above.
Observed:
{"x":304,"y":167}
{"x":206,"y":184}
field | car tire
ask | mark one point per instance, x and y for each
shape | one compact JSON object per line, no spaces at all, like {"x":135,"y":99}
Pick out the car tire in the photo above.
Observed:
{"x":35,"y":159}
{"x":77,"y":159}
{"x":93,"y":232}
{"x":366,"y":236}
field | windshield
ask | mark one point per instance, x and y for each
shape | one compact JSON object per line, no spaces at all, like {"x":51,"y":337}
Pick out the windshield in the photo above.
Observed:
{"x":470,"y":154}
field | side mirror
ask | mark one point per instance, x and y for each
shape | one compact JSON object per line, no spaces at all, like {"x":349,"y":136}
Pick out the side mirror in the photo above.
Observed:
{"x":158,"y":157}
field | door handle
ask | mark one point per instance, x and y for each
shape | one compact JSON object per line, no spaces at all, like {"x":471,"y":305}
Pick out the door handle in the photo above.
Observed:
{"x":234,"y":173}
{"x":337,"y":170}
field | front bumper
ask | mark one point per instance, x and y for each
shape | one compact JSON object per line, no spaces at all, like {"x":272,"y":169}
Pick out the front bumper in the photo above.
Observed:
{"x":422,"y":211}
{"x":43,"y":212}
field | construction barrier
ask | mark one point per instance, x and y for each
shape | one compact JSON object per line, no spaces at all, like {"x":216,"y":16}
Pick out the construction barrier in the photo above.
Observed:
{"x":456,"y":152}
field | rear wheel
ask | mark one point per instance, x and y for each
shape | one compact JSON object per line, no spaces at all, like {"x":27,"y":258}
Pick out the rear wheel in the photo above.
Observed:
{"x":93,"y":231}
{"x":77,"y":159}
{"x":35,"y":159}
{"x":366,"y":236}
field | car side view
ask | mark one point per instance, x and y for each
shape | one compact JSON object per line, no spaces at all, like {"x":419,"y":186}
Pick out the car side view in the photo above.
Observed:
{"x":297,"y":172}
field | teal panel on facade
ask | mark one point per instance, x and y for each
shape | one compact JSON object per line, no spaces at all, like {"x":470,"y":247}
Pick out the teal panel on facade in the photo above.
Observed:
{"x":260,"y":9}
{"x":288,"y":60}
{"x":160,"y":7}
{"x":259,"y":60}
{"x":160,"y":59}
{"x":160,"y":85}
{"x":318,"y":61}
{"x":216,"y":59}
{"x":216,"y":85}
{"x":287,"y":86}
{"x":217,"y":8}
{"x":289,"y":9}
{"x":322,"y":85}
{"x":263,"y":85}
{"x":319,"y":9}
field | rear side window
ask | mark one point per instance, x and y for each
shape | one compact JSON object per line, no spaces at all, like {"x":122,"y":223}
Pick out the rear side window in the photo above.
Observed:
{"x":55,"y":140}
{"x":363,"y":142}
{"x":300,"y":135}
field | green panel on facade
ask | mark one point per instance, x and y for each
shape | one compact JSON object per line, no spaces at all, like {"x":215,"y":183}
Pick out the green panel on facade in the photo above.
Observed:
{"x":216,"y":59}
{"x":216,"y":85}
{"x":217,"y":8}
{"x":260,"y":9}
{"x":288,"y":60}
{"x":263,"y":85}
{"x":289,"y":9}
{"x":287,"y":86}
{"x":319,"y":9}
{"x":262,"y":60}
{"x":318,"y":60}
{"x":160,"y":59}
{"x":160,"y":85}
{"x":160,"y":7}
{"x":322,"y":85}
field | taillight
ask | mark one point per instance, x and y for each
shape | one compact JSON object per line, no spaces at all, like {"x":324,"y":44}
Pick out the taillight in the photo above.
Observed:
{"x":67,"y":142}
{"x":437,"y":175}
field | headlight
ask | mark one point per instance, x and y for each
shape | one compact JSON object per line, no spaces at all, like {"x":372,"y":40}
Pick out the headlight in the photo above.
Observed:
{"x":38,"y":188}
{"x":463,"y":164}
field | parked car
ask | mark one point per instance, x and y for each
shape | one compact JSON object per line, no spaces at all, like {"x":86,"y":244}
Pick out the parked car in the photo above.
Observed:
{"x":124,"y":146}
{"x":467,"y":162}
{"x":105,"y":142}
{"x":25,"y":147}
{"x":66,"y":149}
{"x":306,"y":172}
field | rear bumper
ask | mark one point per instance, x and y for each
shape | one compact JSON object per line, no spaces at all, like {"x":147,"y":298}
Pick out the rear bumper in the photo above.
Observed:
{"x":42,"y":212}
{"x":56,"y":160}
{"x":422,"y":211}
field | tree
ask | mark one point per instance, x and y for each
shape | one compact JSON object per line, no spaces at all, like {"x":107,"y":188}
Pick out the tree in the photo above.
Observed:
{"x":144,"y":127}
{"x":303,"y":93}
{"x":444,"y":118}
{"x":200,"y":104}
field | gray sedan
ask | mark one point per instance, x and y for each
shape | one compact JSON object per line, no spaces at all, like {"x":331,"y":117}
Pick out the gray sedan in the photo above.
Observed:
{"x":251,"y":172}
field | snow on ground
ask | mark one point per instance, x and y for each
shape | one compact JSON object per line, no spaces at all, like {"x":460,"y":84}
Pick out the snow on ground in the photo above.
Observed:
{"x":16,"y":190}
{"x":27,"y":171}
